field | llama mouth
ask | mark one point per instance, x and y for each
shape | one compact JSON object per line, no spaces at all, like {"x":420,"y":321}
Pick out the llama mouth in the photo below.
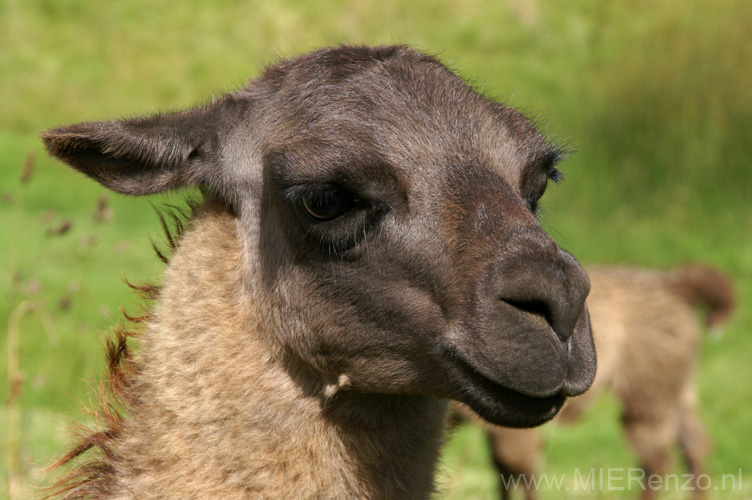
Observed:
{"x":496,"y":403}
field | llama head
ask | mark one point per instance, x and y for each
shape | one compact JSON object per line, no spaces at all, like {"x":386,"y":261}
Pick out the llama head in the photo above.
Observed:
{"x":387,"y":214}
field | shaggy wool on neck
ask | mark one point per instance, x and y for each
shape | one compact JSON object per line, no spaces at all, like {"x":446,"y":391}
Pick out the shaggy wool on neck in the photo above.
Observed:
{"x":212,"y":408}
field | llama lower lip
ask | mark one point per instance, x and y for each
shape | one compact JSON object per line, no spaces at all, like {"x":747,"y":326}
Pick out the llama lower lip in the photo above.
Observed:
{"x":499,"y":404}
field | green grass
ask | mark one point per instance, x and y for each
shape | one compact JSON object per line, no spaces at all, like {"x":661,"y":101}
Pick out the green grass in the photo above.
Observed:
{"x":653,"y":96}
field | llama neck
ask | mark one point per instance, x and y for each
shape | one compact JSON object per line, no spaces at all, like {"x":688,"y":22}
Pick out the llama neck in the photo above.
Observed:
{"x":218,"y":412}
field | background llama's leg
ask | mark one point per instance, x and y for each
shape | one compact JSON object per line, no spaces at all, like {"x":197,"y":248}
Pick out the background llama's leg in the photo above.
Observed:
{"x":693,"y":438}
{"x":652,"y":435}
{"x":515,"y":452}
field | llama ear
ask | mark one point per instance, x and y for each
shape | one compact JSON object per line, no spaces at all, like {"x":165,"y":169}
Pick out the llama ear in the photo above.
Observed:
{"x":143,"y":155}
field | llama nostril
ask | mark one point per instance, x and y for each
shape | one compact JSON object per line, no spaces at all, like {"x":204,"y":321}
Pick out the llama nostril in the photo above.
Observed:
{"x":545,"y":311}
{"x":534,"y":307}
{"x":553,"y":289}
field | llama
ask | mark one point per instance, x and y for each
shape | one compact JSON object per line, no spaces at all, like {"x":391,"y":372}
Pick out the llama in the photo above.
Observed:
{"x":646,"y":336}
{"x":366,"y":250}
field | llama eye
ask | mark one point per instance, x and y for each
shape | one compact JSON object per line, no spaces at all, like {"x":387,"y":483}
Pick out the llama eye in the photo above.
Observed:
{"x":327,"y":205}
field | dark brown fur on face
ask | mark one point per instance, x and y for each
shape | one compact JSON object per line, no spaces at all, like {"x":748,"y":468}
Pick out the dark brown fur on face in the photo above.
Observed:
{"x":647,"y":335}
{"x":367,"y":249}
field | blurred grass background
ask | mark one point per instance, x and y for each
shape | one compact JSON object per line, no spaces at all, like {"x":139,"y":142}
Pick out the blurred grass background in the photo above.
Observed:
{"x":654,"y":96}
